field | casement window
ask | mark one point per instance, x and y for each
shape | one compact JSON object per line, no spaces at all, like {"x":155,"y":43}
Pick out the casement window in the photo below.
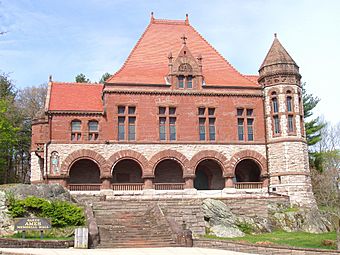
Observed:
{"x":126,"y":123}
{"x":290,"y":113}
{"x":290,"y":123}
{"x":240,"y":129}
{"x":75,"y":130}
{"x":245,"y":124}
{"x":185,"y":82}
{"x":275,"y":113}
{"x":206,"y":121}
{"x":276,"y":124}
{"x":167,"y":123}
{"x":289,"y":104}
{"x":181,"y":81}
{"x":93,"y":130}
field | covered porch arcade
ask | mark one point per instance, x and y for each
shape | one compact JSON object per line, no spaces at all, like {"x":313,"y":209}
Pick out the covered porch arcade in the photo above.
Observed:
{"x":166,"y":171}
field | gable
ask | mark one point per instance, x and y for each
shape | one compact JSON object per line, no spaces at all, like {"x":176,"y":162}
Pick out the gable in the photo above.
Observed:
{"x":148,"y":61}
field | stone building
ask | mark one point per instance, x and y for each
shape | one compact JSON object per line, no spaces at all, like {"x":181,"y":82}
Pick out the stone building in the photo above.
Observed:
{"x":177,"y":117}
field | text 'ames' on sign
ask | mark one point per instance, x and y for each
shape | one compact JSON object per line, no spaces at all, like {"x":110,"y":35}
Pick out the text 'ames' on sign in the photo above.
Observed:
{"x":32,"y":224}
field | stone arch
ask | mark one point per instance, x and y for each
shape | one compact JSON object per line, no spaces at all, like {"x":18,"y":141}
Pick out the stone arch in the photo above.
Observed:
{"x":271,"y":90}
{"x":248,"y":154}
{"x":169,"y":154}
{"x":128,"y":154}
{"x":85,"y":154}
{"x":209,"y":154}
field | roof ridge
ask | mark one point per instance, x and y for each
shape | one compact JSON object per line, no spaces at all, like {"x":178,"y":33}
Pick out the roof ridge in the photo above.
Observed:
{"x":169,"y":21}
{"x":219,"y":54}
{"x":131,"y":52}
{"x":76,"y":83}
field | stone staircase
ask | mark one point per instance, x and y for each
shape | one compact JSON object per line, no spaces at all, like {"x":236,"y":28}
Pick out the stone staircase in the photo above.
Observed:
{"x":144,"y":223}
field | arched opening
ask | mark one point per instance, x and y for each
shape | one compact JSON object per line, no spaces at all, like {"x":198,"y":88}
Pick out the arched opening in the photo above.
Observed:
{"x":84,"y":171}
{"x":127,"y":171}
{"x":168,"y":171}
{"x":208,"y":176}
{"x":248,"y":170}
{"x":169,"y":175}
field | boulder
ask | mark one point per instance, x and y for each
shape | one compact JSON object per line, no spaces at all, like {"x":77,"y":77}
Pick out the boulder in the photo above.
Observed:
{"x":224,"y":231}
{"x":220,"y":220}
{"x":6,"y":223}
{"x":47,"y":191}
{"x":310,"y":221}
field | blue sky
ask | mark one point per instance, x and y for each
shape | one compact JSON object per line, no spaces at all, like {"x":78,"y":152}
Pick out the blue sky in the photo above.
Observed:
{"x":68,"y":37}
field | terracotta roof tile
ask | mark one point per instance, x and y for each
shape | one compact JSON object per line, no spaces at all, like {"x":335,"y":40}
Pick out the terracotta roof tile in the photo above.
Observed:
{"x":277,"y":54}
{"x":76,"y":97}
{"x":252,"y":77}
{"x":148,"y":62}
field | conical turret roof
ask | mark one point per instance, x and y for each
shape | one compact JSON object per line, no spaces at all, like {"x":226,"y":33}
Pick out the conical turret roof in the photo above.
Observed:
{"x":277,"y":54}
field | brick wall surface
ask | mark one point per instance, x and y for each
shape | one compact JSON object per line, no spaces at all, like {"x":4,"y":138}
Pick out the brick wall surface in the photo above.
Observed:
{"x":27,"y":243}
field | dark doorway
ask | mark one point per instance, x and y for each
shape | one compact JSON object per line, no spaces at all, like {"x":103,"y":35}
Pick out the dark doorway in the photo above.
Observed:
{"x":169,"y":171}
{"x":127,"y":171}
{"x":209,"y":176}
{"x":84,"y":171}
{"x":247,"y":170}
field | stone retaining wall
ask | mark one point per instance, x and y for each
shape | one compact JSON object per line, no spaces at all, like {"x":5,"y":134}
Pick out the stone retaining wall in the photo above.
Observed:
{"x":29,"y":243}
{"x":254,"y":206}
{"x":260,"y":249}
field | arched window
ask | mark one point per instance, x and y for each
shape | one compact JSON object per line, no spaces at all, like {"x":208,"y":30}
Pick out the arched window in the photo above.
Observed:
{"x":275,"y":115}
{"x":75,"y":130}
{"x":289,"y":101}
{"x":93,"y":130}
{"x":275,"y":105}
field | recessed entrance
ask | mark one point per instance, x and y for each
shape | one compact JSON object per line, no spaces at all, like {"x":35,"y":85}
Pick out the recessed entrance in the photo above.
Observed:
{"x":209,"y":176}
{"x":127,"y":171}
{"x":169,"y":171}
{"x":84,"y":171}
{"x":248,"y":170}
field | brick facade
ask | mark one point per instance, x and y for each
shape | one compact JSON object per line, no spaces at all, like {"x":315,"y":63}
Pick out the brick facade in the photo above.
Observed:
{"x":194,"y":119}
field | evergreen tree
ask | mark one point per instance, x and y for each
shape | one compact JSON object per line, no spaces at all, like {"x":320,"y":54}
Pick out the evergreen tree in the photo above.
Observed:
{"x":313,"y":128}
{"x":105,"y":76}
{"x":81,"y":78}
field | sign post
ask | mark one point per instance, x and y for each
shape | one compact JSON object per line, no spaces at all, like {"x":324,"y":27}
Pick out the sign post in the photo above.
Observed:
{"x":38,"y":224}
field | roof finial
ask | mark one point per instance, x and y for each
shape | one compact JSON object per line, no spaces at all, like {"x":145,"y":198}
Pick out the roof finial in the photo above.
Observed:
{"x":152,"y":18}
{"x":275,"y":35}
{"x":50,"y":78}
{"x":184,"y":39}
{"x":187,"y":19}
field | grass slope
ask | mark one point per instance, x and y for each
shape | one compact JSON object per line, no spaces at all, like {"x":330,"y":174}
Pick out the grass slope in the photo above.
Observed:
{"x":294,"y":239}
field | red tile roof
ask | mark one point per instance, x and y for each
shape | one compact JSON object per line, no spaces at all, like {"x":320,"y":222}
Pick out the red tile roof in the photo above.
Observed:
{"x":148,"y":62}
{"x":277,"y":54}
{"x":76,"y":97}
{"x":252,"y":77}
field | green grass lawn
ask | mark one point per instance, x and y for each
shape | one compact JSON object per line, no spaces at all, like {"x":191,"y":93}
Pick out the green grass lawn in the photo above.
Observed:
{"x":295,"y":239}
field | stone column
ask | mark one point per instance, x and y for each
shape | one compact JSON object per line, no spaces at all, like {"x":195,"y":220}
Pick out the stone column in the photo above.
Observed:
{"x":189,"y":181}
{"x":64,"y":182}
{"x":229,"y":182}
{"x":265,"y":180}
{"x":148,"y":182}
{"x":106,"y":181}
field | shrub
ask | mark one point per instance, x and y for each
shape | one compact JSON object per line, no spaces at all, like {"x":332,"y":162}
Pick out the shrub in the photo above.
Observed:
{"x":245,"y":227}
{"x":61,"y":213}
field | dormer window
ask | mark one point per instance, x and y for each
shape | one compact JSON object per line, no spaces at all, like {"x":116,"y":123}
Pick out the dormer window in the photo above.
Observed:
{"x":189,"y":82}
{"x":181,"y":81}
{"x":185,"y":70}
